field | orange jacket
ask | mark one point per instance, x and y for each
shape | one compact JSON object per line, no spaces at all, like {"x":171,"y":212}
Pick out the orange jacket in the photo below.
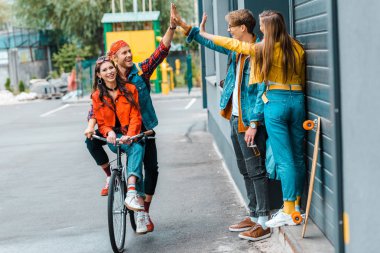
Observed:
{"x":128,"y":115}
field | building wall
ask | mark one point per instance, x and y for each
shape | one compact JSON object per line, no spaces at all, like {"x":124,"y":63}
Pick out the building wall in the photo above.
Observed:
{"x":3,"y":75}
{"x":258,"y":6}
{"x":3,"y":68}
{"x":30,"y":70}
{"x":359,"y":46}
{"x":311,"y":29}
{"x":19,"y":69}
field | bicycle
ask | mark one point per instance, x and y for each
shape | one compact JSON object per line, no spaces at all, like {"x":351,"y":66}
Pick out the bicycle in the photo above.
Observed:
{"x":116,"y":210}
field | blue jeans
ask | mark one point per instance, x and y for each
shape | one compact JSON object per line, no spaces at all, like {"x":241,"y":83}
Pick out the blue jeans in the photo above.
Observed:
{"x":284,"y":115}
{"x":135,"y":155}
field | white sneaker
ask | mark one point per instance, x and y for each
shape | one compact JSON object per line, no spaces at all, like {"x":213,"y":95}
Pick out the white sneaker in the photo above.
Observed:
{"x":280,"y":219}
{"x":132,"y":203}
{"x":140,"y":222}
{"x":146,"y":218}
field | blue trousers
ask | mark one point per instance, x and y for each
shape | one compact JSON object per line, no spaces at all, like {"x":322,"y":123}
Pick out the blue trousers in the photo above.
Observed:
{"x":135,"y":154}
{"x":284,"y":115}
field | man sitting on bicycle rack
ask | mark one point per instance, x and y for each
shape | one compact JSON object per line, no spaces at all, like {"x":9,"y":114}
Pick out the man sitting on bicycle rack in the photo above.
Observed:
{"x":116,"y":110}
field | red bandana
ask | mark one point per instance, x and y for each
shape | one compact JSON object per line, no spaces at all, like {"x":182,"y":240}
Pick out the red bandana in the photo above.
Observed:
{"x":116,"y":46}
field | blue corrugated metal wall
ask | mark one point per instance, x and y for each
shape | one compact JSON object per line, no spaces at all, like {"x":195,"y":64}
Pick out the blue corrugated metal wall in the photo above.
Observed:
{"x":311,"y":29}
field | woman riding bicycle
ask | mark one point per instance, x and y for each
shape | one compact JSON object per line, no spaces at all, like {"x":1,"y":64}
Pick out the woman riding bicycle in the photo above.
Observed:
{"x":117,"y":114}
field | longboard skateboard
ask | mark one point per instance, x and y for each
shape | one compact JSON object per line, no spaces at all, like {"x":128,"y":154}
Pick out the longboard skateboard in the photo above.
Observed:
{"x":310,"y":125}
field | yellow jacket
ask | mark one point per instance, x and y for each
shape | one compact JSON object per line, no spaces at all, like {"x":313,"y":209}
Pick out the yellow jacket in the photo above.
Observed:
{"x":275,"y":73}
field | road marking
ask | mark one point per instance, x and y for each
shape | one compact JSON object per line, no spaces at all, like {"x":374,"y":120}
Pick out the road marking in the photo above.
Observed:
{"x":190,"y":103}
{"x":55,"y":110}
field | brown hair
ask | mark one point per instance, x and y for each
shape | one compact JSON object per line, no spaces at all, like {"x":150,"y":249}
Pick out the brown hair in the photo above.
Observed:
{"x":100,"y":85}
{"x":242,"y":17}
{"x":274,"y":31}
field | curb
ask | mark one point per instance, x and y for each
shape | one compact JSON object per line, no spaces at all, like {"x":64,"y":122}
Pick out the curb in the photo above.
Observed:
{"x":289,"y":237}
{"x":169,"y":97}
{"x":287,"y":241}
{"x":154,"y":98}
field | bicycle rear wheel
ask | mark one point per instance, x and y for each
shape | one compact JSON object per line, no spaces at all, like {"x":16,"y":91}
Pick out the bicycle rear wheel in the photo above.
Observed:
{"x":116,"y":212}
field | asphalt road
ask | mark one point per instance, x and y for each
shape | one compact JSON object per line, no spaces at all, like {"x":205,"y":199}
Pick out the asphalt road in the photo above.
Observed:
{"x":49,"y":185}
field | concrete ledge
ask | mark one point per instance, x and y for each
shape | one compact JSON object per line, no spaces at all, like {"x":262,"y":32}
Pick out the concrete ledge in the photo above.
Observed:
{"x":290,"y":239}
{"x":177,"y":93}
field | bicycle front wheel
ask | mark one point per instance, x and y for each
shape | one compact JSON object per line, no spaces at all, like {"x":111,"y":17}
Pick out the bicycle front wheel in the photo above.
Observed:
{"x":116,"y":212}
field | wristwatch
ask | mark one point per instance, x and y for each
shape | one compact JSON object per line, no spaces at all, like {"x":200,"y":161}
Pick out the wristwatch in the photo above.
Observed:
{"x":253,"y":124}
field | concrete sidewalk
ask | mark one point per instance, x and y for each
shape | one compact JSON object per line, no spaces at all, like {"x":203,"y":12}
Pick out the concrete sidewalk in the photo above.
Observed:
{"x":195,"y":189}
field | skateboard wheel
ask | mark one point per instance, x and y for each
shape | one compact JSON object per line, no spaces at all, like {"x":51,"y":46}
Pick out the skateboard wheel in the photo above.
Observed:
{"x":308,"y":125}
{"x":297,"y":217}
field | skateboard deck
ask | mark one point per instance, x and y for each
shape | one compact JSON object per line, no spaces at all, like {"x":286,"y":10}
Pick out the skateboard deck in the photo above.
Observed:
{"x":309,"y":125}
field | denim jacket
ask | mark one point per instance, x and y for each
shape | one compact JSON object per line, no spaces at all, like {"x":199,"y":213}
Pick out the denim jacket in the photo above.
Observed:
{"x":149,"y":117}
{"x":252,"y":106}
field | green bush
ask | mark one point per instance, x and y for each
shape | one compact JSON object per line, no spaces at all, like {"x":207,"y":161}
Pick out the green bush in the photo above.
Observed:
{"x":8,"y":85}
{"x":21,"y":86}
{"x":68,"y":55}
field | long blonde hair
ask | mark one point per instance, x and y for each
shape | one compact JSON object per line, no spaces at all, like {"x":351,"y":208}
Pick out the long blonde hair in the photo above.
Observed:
{"x":275,"y":31}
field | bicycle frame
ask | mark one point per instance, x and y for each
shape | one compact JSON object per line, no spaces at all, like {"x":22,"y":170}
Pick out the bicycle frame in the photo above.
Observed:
{"x":117,"y":229}
{"x":119,"y":165}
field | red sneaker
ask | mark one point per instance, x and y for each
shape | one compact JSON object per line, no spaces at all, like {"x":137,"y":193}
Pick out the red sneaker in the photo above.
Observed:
{"x":149,"y":223}
{"x":104,"y":191}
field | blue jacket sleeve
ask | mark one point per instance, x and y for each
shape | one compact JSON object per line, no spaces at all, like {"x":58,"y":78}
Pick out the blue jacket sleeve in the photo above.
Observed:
{"x":257,"y":108}
{"x":194,"y":35}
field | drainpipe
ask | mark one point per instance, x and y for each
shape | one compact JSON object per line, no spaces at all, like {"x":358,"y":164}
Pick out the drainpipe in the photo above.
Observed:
{"x":202,"y":52}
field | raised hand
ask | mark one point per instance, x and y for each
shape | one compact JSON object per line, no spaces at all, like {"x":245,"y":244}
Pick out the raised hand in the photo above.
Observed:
{"x":179,"y":20}
{"x":202,"y":25}
{"x":173,"y":21}
{"x":174,"y":13}
{"x":202,"y":28}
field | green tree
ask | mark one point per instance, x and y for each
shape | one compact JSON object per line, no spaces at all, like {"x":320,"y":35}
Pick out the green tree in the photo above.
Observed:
{"x":78,"y":20}
{"x":186,"y":8}
{"x":67,"y":56}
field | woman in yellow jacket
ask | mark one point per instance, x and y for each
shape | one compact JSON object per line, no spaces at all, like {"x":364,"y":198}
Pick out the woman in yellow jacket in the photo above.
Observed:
{"x":279,"y":62}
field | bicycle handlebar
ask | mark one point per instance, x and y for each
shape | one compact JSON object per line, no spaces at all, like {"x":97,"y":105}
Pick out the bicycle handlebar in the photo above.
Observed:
{"x":143,"y":134}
